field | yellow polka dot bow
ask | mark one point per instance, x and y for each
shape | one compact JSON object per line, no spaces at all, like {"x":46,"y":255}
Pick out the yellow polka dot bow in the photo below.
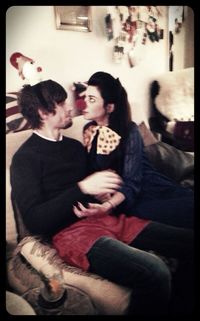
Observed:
{"x":107,"y":139}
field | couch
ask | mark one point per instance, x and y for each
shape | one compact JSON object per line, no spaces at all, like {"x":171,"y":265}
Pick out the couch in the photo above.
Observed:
{"x":30,"y":259}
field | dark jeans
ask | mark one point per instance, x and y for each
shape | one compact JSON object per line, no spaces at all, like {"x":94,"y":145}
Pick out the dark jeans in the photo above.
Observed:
{"x":145,"y":273}
{"x":176,"y":210}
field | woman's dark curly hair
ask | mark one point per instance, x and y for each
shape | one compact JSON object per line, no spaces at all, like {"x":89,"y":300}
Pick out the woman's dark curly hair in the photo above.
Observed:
{"x":113,"y":92}
{"x":44,"y":96}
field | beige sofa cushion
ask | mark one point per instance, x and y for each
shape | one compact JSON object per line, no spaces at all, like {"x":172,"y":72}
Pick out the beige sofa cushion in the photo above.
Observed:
{"x":13,"y":142}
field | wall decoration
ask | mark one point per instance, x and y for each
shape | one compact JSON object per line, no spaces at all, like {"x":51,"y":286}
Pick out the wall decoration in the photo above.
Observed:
{"x":175,"y":21}
{"x":130,"y":27}
{"x":28,"y":70}
{"x":76,"y":18}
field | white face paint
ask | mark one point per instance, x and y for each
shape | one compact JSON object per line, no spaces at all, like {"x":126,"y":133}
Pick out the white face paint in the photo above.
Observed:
{"x":95,"y":109}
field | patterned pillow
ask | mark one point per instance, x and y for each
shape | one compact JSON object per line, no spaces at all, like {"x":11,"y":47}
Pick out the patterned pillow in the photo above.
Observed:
{"x":14,"y":120}
{"x":184,"y":132}
{"x":108,"y":297}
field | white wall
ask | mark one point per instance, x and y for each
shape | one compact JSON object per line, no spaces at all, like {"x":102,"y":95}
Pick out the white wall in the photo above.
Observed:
{"x":183,"y":48}
{"x":68,"y":56}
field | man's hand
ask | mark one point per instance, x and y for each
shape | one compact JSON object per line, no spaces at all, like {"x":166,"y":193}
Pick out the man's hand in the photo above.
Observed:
{"x":100,"y":183}
{"x":92,"y":209}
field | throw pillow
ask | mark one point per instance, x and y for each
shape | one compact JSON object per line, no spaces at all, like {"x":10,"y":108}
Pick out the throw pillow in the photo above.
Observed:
{"x":184,"y":131}
{"x":108,"y":297}
{"x":172,"y":162}
{"x":147,"y":135}
{"x":14,"y":120}
{"x":29,"y":286}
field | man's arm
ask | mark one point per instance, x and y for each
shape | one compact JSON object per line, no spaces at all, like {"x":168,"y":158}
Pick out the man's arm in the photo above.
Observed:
{"x":46,"y":216}
{"x":100,"y":182}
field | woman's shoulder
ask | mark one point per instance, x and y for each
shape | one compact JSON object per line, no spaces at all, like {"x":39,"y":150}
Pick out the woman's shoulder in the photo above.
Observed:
{"x":133,"y":128}
{"x":133,"y":133}
{"x":133,"y":125}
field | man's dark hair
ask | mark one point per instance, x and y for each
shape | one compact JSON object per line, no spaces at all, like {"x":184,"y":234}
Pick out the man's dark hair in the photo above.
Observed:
{"x":43,"y":96}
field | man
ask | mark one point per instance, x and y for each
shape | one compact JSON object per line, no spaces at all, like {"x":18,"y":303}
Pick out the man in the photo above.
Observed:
{"x":45,"y":196}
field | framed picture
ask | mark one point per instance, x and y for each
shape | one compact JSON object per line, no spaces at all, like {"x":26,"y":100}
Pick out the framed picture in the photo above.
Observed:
{"x":77,"y":18}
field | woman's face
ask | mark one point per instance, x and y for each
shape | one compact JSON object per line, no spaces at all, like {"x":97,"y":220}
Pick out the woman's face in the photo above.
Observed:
{"x":95,"y":109}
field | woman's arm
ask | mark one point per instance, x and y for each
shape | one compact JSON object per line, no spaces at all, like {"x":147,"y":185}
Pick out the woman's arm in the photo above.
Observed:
{"x":132,"y":171}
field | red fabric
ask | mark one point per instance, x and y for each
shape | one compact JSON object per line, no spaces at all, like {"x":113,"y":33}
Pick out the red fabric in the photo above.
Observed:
{"x":73,"y":243}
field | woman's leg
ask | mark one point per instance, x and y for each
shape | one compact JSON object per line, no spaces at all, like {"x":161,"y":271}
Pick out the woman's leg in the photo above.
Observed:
{"x":143,"y":272}
{"x":176,"y":211}
{"x":177,"y":243}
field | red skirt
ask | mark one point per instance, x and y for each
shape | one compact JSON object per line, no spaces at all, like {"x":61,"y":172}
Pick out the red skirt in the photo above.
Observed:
{"x":74,"y":242}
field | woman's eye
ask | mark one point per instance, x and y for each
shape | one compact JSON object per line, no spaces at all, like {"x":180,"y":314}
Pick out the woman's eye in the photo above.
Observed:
{"x":92,"y":100}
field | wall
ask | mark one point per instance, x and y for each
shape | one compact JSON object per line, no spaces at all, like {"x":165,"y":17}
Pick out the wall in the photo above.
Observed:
{"x":183,"y":47}
{"x":68,"y":56}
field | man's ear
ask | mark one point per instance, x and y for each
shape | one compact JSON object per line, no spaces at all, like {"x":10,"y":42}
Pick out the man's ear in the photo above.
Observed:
{"x":43,"y":114}
{"x":110,"y":108}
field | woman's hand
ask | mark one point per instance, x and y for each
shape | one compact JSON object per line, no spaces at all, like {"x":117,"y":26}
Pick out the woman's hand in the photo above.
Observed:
{"x":92,"y":209}
{"x":103,"y":197}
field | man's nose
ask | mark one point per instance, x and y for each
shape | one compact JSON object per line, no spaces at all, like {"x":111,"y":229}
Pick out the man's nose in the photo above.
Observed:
{"x":68,"y":107}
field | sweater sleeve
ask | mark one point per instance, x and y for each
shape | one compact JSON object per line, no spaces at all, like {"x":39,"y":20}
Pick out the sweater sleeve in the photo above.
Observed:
{"x":41,"y":216}
{"x":132,"y":167}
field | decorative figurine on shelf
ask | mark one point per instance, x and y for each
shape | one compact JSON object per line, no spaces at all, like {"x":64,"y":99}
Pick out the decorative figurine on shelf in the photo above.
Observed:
{"x":26,"y":67}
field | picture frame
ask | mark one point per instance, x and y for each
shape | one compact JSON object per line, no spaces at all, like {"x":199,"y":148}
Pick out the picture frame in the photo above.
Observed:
{"x":75,"y":18}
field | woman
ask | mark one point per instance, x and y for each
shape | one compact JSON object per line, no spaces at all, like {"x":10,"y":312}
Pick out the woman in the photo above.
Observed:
{"x":146,"y":193}
{"x":105,"y":241}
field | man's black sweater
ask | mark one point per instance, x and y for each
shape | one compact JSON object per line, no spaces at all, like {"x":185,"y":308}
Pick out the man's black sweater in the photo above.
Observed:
{"x":44,"y":176}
